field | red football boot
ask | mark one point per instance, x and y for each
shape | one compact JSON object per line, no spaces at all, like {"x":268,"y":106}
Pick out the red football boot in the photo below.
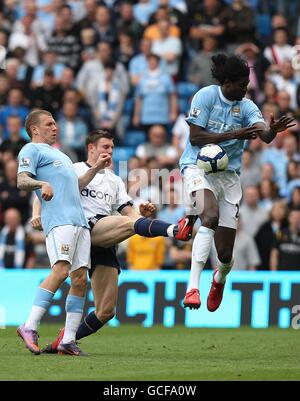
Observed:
{"x":192,"y":299}
{"x":52,"y":348}
{"x":185,"y":228}
{"x":215,"y":295}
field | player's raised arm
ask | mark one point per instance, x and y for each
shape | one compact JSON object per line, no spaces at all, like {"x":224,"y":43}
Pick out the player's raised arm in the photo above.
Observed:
{"x":26,"y":183}
{"x":200,"y":137}
{"x":267,"y":135}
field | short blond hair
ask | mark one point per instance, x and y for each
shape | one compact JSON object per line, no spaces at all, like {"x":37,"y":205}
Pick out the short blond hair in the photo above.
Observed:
{"x":33,"y":118}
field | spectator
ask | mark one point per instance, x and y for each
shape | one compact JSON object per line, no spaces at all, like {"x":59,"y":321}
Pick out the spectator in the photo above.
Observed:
{"x":269,"y":92}
{"x":145,"y":253}
{"x":14,"y":107}
{"x":208,"y":19}
{"x":127,"y":22}
{"x":285,"y":254}
{"x":285,"y":80}
{"x":39,"y":245}
{"x":16,"y":248}
{"x":72,"y":130}
{"x":108,"y":111}
{"x":240,"y":25}
{"x":168,"y":48}
{"x":65,"y":45}
{"x":87,"y":80}
{"x":279,"y":51}
{"x":156,"y":100}
{"x":152,"y":32}
{"x":251,"y":213}
{"x":180,"y":134}
{"x":126,"y":48}
{"x":138,"y":65}
{"x":295,"y":197}
{"x":143,"y":10}
{"x":180,"y":254}
{"x":84,"y":111}
{"x":14,"y":142}
{"x":10,"y":195}
{"x":258,"y":67}
{"x":199,"y":69}
{"x":268,"y":193}
{"x":103,"y":26}
{"x":251,"y":173}
{"x":173,"y":211}
{"x":87,"y":21}
{"x":157,"y":147}
{"x":49,"y":95}
{"x":49,"y":63}
{"x":67,"y":80}
{"x":4,"y":87}
{"x":88,"y":44}
{"x":270,"y":231}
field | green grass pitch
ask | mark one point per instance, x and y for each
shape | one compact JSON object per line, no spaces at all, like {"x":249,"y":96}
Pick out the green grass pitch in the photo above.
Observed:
{"x":136,"y":353}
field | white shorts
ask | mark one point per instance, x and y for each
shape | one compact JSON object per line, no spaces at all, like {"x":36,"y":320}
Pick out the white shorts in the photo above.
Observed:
{"x":226,"y":187}
{"x":69,"y":243}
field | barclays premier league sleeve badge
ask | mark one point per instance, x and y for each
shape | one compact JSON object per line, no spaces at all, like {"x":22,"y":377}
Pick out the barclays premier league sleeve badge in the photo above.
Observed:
{"x":25,"y":162}
{"x":195,"y":112}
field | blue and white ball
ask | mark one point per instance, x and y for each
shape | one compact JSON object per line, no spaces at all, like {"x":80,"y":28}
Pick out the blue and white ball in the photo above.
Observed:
{"x":212,"y":158}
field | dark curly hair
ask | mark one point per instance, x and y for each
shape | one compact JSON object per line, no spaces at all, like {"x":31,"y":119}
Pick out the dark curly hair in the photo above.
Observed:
{"x":231,"y":67}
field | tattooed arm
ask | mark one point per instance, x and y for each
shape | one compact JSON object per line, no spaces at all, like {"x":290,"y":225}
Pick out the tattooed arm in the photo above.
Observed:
{"x":26,"y":183}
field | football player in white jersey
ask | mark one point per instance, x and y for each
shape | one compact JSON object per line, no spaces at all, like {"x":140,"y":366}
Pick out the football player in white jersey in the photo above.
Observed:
{"x":220,"y":114}
{"x":104,"y":195}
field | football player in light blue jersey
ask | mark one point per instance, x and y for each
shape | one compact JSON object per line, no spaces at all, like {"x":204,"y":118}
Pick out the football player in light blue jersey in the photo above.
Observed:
{"x":50,"y":173}
{"x":220,"y":114}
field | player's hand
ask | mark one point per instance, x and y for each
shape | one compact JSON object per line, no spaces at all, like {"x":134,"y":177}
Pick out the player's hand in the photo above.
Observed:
{"x":104,"y":160}
{"x":282,"y":124}
{"x":47,"y":191}
{"x":36,"y":223}
{"x":247,"y":133}
{"x":147,"y":209}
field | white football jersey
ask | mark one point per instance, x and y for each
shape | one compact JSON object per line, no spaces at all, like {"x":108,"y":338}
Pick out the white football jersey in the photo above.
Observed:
{"x":105,"y":194}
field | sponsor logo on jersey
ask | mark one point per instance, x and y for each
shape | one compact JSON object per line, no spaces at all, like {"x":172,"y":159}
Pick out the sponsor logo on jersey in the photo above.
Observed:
{"x":65,"y":249}
{"x":91,"y":193}
{"x":25,"y":162}
{"x":195,"y":112}
{"x":57,"y":163}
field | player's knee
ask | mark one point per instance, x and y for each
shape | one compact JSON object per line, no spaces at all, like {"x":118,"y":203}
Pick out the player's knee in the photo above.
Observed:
{"x":224,"y":254}
{"x":210,"y":219}
{"x":79,"y":281}
{"x":105,"y":314}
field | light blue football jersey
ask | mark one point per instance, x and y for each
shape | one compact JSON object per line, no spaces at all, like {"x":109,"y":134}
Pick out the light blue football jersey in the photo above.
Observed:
{"x":48,"y":164}
{"x":214,"y":113}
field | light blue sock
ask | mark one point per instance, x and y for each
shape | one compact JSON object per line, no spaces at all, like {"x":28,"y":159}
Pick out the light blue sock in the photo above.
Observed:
{"x":41,"y":303}
{"x":74,"y":311}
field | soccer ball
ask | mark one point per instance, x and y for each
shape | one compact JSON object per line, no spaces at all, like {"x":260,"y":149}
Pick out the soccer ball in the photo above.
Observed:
{"x":212,"y":158}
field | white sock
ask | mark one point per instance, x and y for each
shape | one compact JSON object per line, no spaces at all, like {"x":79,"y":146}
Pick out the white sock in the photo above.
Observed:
{"x":170,"y":230}
{"x":35,"y":316}
{"x":201,"y":248}
{"x":222,"y":271}
{"x":73,"y":320}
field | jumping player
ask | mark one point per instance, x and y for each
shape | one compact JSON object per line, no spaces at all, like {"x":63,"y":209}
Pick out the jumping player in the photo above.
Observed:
{"x":100,"y":198}
{"x":220,"y":114}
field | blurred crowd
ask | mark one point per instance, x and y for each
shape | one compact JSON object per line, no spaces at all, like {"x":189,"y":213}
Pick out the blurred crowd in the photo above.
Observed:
{"x":132,"y":67}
